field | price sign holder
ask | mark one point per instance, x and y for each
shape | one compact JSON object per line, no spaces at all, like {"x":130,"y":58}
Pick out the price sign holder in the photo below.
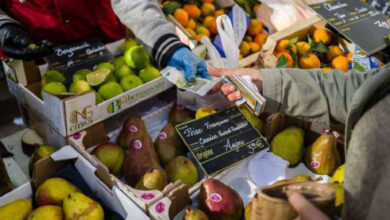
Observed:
{"x":221,"y":140}
{"x":72,"y":57}
{"x":358,"y":22}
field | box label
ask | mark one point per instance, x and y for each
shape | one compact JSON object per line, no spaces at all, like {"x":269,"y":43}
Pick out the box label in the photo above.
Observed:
{"x":220,"y":140}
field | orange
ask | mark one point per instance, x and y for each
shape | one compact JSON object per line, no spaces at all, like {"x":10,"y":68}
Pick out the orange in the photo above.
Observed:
{"x":199,"y":36}
{"x":181,"y":16}
{"x":303,"y":47}
{"x":350,"y":56}
{"x":326,"y":69}
{"x":282,"y":45}
{"x":256,"y":8}
{"x":255,"y":27}
{"x":244,"y":48}
{"x":254,"y":47}
{"x":309,"y":61}
{"x":191,"y":24}
{"x":294,"y":49}
{"x":192,"y":10}
{"x":207,"y":9}
{"x":213,"y":28}
{"x":240,"y":57}
{"x":322,"y":35}
{"x":219,"y":12}
{"x":201,"y":30}
{"x":208,"y":20}
{"x":191,"y":32}
{"x":290,"y":61}
{"x":207,"y":1}
{"x":333,"y":51}
{"x":248,"y":38}
{"x":260,"y":39}
{"x":340,"y":63}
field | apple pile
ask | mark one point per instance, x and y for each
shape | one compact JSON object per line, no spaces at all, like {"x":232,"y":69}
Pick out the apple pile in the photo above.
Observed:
{"x":108,"y":79}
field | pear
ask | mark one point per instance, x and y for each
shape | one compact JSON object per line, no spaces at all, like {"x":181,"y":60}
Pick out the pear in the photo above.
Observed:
{"x":219,"y":201}
{"x":78,"y":206}
{"x":182,"y":168}
{"x":131,"y":127}
{"x":168,"y":144}
{"x":195,"y":214}
{"x":253,"y":119}
{"x":338,"y":176}
{"x":153,"y":179}
{"x":16,"y":210}
{"x":179,"y":115}
{"x":42,"y":151}
{"x":339,"y":188}
{"x":111,"y":155}
{"x":248,"y":211}
{"x":288,"y":145}
{"x":299,"y":178}
{"x":141,"y":157}
{"x":53,"y":191}
{"x":322,"y":157}
{"x":51,"y":212}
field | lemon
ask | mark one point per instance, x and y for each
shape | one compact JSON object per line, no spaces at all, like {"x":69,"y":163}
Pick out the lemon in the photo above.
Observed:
{"x":130,"y":82}
{"x":149,"y":73}
{"x":136,"y":57}
{"x":203,"y":112}
{"x":98,"y":77}
{"x":53,"y":76}
{"x":80,"y":74}
{"x":110,"y":90}
{"x":79,"y":86}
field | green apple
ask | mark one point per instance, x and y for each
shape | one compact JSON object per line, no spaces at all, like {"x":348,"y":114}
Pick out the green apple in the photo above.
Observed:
{"x":53,"y":76}
{"x":149,"y":73}
{"x":79,"y":86}
{"x":137,"y":57}
{"x":110,"y":90}
{"x":130,"y":82}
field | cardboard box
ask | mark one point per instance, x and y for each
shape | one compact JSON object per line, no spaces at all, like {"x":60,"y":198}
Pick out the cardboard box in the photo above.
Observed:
{"x":71,"y":114}
{"x":171,"y":207}
{"x":106,"y":191}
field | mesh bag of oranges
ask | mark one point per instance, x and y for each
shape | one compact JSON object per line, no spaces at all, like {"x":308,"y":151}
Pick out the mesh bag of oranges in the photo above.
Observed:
{"x":318,"y":49}
{"x":198,"y":18}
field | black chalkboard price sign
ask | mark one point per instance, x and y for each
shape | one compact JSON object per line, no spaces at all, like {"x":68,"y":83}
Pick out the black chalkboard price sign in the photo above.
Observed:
{"x":358,"y":22}
{"x":382,"y":6}
{"x":83,"y":54}
{"x":220,"y":140}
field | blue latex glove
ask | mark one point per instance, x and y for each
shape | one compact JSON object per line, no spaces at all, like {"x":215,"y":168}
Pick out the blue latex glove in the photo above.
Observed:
{"x":192,"y":65}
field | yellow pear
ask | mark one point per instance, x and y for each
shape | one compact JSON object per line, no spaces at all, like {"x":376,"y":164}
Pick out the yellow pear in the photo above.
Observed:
{"x":53,"y":191}
{"x":16,"y":210}
{"x":51,"y":212}
{"x":288,"y":145}
{"x":338,"y":176}
{"x":77,"y":206}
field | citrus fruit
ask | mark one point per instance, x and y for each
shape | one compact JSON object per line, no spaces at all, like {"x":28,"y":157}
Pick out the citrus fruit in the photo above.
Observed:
{"x":333,"y":51}
{"x":110,"y":90}
{"x":200,"y":36}
{"x":80,"y":74}
{"x":341,"y":63}
{"x":350,"y":56}
{"x":191,"y":32}
{"x":119,"y":61}
{"x":294,"y":49}
{"x":203,"y":112}
{"x":219,"y":12}
{"x":208,"y":20}
{"x":322,"y":35}
{"x":98,"y":98}
{"x":201,"y":30}
{"x":191,"y":24}
{"x":207,"y":1}
{"x":53,"y":88}
{"x":53,"y":76}
{"x":105,"y":65}
{"x":207,"y":9}
{"x":112,"y":78}
{"x":255,"y":27}
{"x":130,"y":82}
{"x":149,"y":73}
{"x":123,"y":71}
{"x":248,"y":39}
{"x":254,"y":47}
{"x":136,"y":57}
{"x":309,"y":61}
{"x":79,"y":86}
{"x":303,"y":47}
{"x":127,"y":44}
{"x":168,"y":7}
{"x":192,"y":10}
{"x":326,"y":69}
{"x":286,"y":54}
{"x":282,"y":45}
{"x":256,"y":8}
{"x":244,"y":48}
{"x":98,"y":77}
{"x":181,"y":16}
{"x":260,"y":39}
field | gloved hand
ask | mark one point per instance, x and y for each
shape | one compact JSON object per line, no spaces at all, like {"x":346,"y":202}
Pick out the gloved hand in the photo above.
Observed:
{"x":16,"y":43}
{"x":191,"y":64}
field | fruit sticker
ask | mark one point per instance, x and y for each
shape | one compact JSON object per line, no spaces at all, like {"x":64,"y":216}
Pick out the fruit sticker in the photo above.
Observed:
{"x":215,"y":197}
{"x":162,"y":135}
{"x":137,"y":144}
{"x":133,"y":129}
{"x":147,"y":196}
{"x":160,"y":207}
{"x":315,"y":164}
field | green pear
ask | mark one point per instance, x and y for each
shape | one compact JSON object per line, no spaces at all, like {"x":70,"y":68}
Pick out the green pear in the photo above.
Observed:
{"x":111,"y":155}
{"x":153,"y":179}
{"x":182,"y":168}
{"x":16,"y":210}
{"x":53,"y":191}
{"x":195,"y":214}
{"x":288,"y":145}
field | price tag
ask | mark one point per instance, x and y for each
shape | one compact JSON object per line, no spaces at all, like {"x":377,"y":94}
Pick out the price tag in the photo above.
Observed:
{"x":358,"y":22}
{"x":84,"y":54}
{"x":221,"y":140}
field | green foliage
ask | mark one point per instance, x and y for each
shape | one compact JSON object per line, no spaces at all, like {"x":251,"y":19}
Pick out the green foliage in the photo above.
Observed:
{"x":282,"y":62}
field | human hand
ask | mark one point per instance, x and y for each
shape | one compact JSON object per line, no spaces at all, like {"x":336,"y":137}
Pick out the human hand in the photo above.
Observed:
{"x":229,"y":90}
{"x":16,"y":43}
{"x":192,"y":65}
{"x":306,"y":210}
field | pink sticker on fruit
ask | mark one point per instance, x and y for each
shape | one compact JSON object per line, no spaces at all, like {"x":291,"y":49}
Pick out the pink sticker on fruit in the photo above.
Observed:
{"x":137,"y":144}
{"x":77,"y":136}
{"x":215,"y":197}
{"x":147,"y":196}
{"x":133,"y":129}
{"x":315,"y":164}
{"x":160,"y":207}
{"x":163,"y":135}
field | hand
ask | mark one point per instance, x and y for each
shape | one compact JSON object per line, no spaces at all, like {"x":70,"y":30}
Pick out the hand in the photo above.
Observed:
{"x":306,"y":210}
{"x":192,"y":65}
{"x":16,"y":43}
{"x":229,"y":90}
